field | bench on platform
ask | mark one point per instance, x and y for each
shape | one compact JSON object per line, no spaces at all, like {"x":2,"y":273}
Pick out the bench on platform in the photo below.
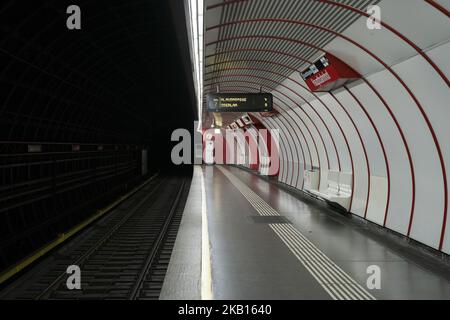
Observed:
{"x":339,"y":189}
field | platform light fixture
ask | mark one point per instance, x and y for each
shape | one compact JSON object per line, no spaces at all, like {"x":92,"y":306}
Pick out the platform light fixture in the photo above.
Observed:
{"x":196,"y":8}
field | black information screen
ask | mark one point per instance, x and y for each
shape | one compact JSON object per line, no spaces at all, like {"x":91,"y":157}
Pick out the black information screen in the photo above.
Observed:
{"x":240,"y":102}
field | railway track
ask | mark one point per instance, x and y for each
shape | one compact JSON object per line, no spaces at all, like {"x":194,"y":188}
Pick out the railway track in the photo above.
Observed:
{"x":123,"y":256}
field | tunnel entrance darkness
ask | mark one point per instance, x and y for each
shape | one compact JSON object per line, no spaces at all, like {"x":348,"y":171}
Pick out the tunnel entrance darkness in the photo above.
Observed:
{"x":80,"y":108}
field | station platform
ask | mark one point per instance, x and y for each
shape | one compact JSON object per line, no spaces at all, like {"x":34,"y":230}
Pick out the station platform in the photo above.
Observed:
{"x":243,"y":237}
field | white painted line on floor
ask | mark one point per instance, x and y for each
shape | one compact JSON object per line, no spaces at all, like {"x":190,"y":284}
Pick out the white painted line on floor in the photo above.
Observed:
{"x":335,"y":281}
{"x":256,"y":201}
{"x":206,"y":278}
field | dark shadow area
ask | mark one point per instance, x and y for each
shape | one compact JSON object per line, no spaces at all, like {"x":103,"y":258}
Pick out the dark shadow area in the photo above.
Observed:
{"x":79,"y":109}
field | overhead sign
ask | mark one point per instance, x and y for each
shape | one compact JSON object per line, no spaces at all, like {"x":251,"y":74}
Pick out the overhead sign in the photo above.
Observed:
{"x":247,"y":120}
{"x":234,"y":126}
{"x":240,"y":102}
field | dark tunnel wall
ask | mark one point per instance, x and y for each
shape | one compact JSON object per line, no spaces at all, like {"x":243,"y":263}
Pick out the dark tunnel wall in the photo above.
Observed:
{"x":107,"y":82}
{"x":87,"y":102}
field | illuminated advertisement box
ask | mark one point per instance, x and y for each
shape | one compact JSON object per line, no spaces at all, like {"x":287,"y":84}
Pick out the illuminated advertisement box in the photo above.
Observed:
{"x":328,"y":73}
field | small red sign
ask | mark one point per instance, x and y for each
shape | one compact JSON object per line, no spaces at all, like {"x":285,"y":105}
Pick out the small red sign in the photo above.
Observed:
{"x":328,"y":73}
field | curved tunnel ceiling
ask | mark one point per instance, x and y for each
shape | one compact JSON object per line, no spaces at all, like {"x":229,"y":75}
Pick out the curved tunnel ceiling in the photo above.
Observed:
{"x":387,"y":129}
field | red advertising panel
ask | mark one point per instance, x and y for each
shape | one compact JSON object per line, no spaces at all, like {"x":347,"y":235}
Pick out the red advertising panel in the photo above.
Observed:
{"x":328,"y":73}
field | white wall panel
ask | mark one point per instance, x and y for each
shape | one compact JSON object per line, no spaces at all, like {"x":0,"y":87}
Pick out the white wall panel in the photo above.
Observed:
{"x":377,"y":199}
{"x":321,"y":148}
{"x":295,"y":174}
{"x":382,"y":43}
{"x":297,"y":151}
{"x":313,"y":111}
{"x":290,"y":153}
{"x":400,"y":179}
{"x":434,"y":97}
{"x":296,"y":123}
{"x":373,"y":147}
{"x":283,"y":149}
{"x":323,"y":108}
{"x":360,"y":187}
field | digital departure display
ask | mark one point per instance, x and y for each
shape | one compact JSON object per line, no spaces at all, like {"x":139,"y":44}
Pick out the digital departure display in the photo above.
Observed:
{"x":240,"y":102}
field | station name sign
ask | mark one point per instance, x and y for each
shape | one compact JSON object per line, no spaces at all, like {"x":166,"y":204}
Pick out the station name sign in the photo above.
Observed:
{"x":240,"y":102}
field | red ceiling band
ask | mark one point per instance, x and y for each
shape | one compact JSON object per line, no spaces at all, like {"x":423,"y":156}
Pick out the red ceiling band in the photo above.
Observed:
{"x":387,"y":26}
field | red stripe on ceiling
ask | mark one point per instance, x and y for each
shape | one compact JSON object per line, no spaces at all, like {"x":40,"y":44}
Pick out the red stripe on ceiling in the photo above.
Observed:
{"x":222,"y":4}
{"x":397,"y":33}
{"x":437,"y":6}
{"x":306,"y":44}
{"x":258,"y":50}
{"x":384,"y":24}
{"x":249,"y":60}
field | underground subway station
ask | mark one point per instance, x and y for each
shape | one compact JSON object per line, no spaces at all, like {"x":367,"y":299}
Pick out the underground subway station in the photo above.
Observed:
{"x":192,"y":152}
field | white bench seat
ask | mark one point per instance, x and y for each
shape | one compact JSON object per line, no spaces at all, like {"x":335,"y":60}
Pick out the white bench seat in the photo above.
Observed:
{"x":339,"y":189}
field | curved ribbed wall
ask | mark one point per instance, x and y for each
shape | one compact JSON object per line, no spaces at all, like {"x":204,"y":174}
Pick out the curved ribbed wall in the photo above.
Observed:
{"x":388,"y":131}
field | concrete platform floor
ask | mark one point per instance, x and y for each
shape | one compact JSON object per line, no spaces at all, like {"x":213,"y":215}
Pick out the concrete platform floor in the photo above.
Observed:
{"x":265,"y":243}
